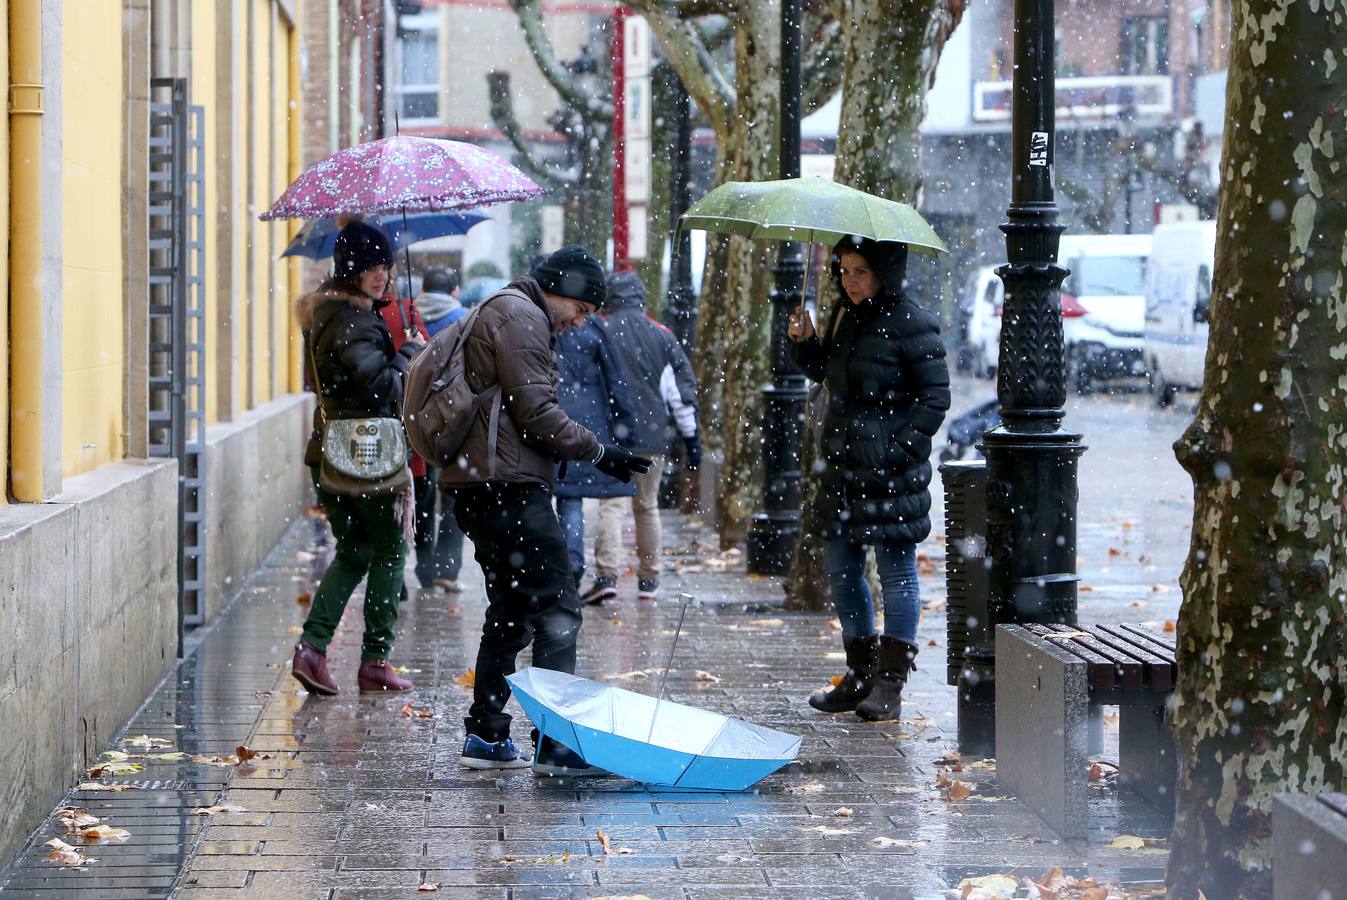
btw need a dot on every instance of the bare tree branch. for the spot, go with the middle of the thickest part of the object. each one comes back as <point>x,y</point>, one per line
<point>502,114</point>
<point>692,9</point>
<point>531,20</point>
<point>697,69</point>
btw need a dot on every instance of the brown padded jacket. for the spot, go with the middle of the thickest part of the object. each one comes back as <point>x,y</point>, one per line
<point>511,345</point>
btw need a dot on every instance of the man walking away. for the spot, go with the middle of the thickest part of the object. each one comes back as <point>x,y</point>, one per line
<point>439,304</point>
<point>503,480</point>
<point>662,388</point>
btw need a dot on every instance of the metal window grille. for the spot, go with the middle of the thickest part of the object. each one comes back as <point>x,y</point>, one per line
<point>177,325</point>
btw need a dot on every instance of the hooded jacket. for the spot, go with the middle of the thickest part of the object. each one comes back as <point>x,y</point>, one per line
<point>884,365</point>
<point>359,373</point>
<point>593,393</point>
<point>511,345</point>
<point>658,375</point>
<point>439,311</point>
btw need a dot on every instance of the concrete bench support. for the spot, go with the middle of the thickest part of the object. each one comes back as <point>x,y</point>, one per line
<point>1309,843</point>
<point>1042,703</point>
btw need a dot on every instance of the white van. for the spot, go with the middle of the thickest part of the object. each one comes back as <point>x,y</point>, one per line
<point>1178,301</point>
<point>984,295</point>
<point>1103,306</point>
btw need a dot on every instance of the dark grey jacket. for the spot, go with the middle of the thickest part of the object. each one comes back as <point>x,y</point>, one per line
<point>658,375</point>
<point>511,345</point>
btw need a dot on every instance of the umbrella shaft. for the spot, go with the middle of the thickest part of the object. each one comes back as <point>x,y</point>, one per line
<point>664,677</point>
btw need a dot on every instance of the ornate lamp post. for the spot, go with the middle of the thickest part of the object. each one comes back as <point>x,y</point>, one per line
<point>681,307</point>
<point>775,530</point>
<point>1031,460</point>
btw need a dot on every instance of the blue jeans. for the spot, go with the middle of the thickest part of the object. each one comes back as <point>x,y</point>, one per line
<point>844,563</point>
<point>571,512</point>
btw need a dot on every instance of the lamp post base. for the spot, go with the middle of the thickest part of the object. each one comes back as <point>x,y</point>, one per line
<point>771,543</point>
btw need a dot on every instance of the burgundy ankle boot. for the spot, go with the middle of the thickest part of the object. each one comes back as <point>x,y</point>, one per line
<point>376,675</point>
<point>310,669</point>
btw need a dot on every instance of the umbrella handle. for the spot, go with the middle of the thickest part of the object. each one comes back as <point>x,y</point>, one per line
<point>683,600</point>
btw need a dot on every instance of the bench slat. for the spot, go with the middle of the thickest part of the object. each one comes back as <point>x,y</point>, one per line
<point>1157,671</point>
<point>1163,640</point>
<point>1102,671</point>
<point>1144,639</point>
<point>1335,802</point>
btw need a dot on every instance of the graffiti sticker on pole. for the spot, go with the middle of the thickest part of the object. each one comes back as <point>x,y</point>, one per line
<point>1038,148</point>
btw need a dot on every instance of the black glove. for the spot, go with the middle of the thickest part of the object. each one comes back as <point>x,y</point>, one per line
<point>620,464</point>
<point>694,451</point>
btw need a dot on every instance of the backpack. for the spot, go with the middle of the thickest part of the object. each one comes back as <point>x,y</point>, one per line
<point>438,405</point>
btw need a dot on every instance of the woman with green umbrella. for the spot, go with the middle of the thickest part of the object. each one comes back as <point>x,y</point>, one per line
<point>883,362</point>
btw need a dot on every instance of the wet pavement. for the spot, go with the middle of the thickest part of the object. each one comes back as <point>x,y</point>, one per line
<point>357,797</point>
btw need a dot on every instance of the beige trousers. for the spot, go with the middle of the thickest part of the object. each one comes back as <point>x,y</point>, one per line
<point>608,534</point>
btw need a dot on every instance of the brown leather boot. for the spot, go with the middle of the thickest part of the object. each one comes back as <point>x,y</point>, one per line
<point>310,669</point>
<point>896,661</point>
<point>857,683</point>
<point>376,676</point>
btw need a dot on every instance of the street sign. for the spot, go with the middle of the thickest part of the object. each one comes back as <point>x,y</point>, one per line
<point>636,47</point>
<point>553,229</point>
<point>636,171</point>
<point>638,232</point>
<point>631,164</point>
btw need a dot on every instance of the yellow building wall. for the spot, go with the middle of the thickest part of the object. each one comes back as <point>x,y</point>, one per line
<point>4,267</point>
<point>278,327</point>
<point>206,91</point>
<point>259,233</point>
<point>92,313</point>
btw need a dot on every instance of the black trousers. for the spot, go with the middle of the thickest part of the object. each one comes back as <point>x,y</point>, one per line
<point>439,544</point>
<point>531,595</point>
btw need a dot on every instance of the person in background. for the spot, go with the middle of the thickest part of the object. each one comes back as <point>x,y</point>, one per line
<point>888,387</point>
<point>439,550</point>
<point>404,323</point>
<point>439,304</point>
<point>664,397</point>
<point>594,394</point>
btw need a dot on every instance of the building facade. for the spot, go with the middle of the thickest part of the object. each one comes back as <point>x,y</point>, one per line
<point>153,416</point>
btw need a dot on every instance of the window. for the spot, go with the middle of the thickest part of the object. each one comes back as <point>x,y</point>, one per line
<point>1145,45</point>
<point>1116,276</point>
<point>418,87</point>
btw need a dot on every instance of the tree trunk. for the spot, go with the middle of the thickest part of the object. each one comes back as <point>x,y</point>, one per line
<point>1262,644</point>
<point>891,48</point>
<point>745,316</point>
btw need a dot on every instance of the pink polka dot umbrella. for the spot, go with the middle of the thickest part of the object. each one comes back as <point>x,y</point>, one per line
<point>403,174</point>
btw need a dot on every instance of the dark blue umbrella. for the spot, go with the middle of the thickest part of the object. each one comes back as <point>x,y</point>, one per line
<point>318,237</point>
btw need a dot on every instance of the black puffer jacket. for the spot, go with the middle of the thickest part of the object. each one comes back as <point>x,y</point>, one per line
<point>359,372</point>
<point>884,365</point>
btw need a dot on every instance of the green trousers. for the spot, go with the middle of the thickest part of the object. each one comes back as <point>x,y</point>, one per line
<point>369,542</point>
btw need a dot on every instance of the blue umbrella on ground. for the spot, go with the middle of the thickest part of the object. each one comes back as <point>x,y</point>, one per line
<point>318,237</point>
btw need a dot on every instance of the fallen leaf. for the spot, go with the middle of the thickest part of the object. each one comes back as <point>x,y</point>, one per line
<point>115,768</point>
<point>707,677</point>
<point>959,791</point>
<point>1096,772</point>
<point>428,887</point>
<point>565,857</point>
<point>221,809</point>
<point>66,855</point>
<point>1114,551</point>
<point>114,755</point>
<point>835,624</point>
<point>1085,589</point>
<point>1127,842</point>
<point>836,680</point>
<point>106,833</point>
<point>951,758</point>
<point>1067,635</point>
<point>100,786</point>
<point>1053,880</point>
<point>826,831</point>
<point>305,597</point>
<point>244,754</point>
<point>933,643</point>
<point>1169,626</point>
<point>1139,604</point>
<point>147,742</point>
<point>812,787</point>
<point>988,765</point>
<point>467,680</point>
<point>175,756</point>
<point>217,761</point>
<point>75,819</point>
<point>988,887</point>
<point>411,713</point>
<point>882,841</point>
<point>604,842</point>
<point>375,806</point>
<point>403,670</point>
<point>294,629</point>
<point>453,609</point>
<point>843,812</point>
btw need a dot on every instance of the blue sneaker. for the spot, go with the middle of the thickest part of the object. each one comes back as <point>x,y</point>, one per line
<point>555,758</point>
<point>480,754</point>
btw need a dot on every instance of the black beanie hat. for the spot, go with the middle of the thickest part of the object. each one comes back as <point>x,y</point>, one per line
<point>572,272</point>
<point>359,248</point>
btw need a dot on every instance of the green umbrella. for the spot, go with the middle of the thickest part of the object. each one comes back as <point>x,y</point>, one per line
<point>812,210</point>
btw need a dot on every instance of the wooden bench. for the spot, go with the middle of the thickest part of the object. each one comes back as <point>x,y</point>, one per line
<point>1051,682</point>
<point>1309,842</point>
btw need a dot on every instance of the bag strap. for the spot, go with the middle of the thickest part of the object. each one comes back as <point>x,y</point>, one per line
<point>493,432</point>
<point>313,362</point>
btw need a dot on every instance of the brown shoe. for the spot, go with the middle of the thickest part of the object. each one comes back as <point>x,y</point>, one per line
<point>376,676</point>
<point>310,669</point>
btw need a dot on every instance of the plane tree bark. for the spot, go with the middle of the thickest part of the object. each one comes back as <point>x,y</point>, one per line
<point>1262,645</point>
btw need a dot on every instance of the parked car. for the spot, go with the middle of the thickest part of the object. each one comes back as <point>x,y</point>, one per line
<point>1178,301</point>
<point>983,295</point>
<point>1103,306</point>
